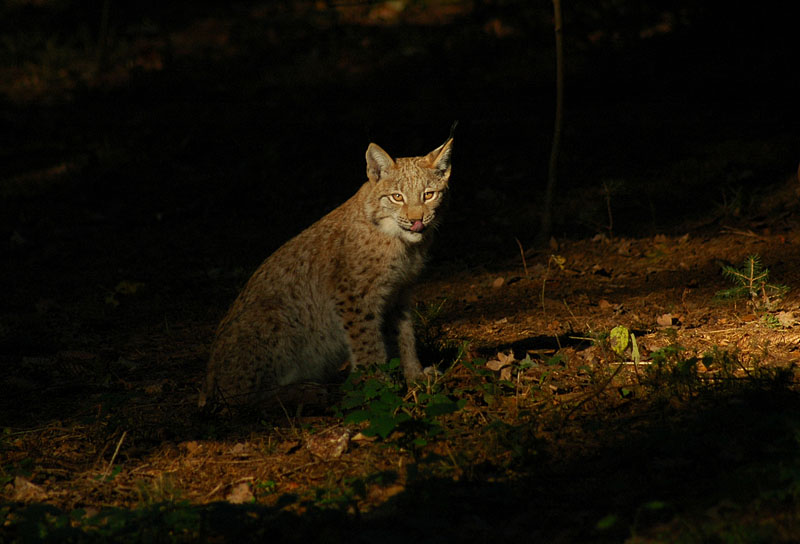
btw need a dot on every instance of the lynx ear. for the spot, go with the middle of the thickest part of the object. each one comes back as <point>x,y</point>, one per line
<point>439,158</point>
<point>378,162</point>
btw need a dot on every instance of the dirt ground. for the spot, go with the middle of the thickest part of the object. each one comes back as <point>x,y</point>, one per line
<point>136,199</point>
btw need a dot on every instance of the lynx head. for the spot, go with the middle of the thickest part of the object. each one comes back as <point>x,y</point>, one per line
<point>407,192</point>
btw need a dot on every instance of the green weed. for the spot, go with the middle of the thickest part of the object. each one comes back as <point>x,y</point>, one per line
<point>379,397</point>
<point>751,281</point>
<point>164,522</point>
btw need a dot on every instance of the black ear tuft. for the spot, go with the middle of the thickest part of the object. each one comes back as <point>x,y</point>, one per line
<point>439,158</point>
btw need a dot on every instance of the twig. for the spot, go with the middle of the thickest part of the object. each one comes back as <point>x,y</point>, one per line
<point>522,253</point>
<point>288,417</point>
<point>591,395</point>
<point>607,191</point>
<point>114,457</point>
<point>748,232</point>
<point>210,493</point>
<point>295,469</point>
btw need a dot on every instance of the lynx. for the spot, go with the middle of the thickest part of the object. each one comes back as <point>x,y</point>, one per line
<point>336,296</point>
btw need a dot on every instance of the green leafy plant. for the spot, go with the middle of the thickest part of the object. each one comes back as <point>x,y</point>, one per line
<point>267,487</point>
<point>673,373</point>
<point>378,395</point>
<point>752,281</point>
<point>163,522</point>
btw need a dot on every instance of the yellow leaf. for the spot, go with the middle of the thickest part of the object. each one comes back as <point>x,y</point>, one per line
<point>618,339</point>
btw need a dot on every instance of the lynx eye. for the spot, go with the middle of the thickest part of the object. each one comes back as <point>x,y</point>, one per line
<point>396,197</point>
<point>428,195</point>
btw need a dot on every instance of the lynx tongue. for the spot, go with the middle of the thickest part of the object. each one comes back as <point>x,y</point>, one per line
<point>417,226</point>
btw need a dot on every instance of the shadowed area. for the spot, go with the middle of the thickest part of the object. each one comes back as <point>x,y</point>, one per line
<point>152,156</point>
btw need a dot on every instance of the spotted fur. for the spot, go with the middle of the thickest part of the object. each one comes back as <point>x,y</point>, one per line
<point>338,294</point>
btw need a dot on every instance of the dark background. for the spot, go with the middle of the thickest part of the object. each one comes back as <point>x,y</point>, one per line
<point>153,154</point>
<point>168,149</point>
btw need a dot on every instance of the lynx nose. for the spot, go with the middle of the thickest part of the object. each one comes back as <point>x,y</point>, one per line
<point>415,213</point>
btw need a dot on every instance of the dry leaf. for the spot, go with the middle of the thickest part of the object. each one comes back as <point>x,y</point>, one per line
<point>664,320</point>
<point>239,450</point>
<point>288,446</point>
<point>786,319</point>
<point>503,364</point>
<point>190,447</point>
<point>505,358</point>
<point>383,493</point>
<point>26,491</point>
<point>495,365</point>
<point>329,444</point>
<point>240,494</point>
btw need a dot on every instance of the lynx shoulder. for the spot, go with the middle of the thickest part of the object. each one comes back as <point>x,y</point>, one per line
<point>337,295</point>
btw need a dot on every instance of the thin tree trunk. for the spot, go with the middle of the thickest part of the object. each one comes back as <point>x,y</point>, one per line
<point>547,212</point>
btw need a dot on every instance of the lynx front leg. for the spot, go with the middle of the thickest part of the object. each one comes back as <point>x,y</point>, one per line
<point>364,337</point>
<point>406,344</point>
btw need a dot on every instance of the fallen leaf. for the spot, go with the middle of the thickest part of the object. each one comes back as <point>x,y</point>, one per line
<point>191,446</point>
<point>240,494</point>
<point>329,444</point>
<point>239,450</point>
<point>26,491</point>
<point>495,365</point>
<point>288,446</point>
<point>393,490</point>
<point>505,358</point>
<point>618,339</point>
<point>786,319</point>
<point>664,320</point>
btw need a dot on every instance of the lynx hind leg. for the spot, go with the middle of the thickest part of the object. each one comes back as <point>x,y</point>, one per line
<point>238,370</point>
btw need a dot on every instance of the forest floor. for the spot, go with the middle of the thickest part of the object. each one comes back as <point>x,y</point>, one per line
<point>594,388</point>
<point>557,435</point>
